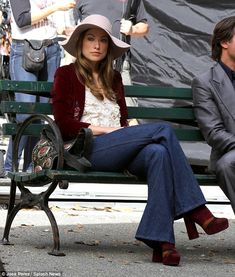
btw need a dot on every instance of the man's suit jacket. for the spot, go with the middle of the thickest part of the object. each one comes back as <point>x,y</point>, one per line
<point>214,104</point>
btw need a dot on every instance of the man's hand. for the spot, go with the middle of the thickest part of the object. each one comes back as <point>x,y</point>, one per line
<point>65,5</point>
<point>126,27</point>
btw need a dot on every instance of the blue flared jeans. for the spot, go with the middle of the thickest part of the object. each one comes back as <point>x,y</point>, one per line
<point>152,151</point>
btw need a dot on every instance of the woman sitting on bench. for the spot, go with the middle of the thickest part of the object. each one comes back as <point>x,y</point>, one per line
<point>89,93</point>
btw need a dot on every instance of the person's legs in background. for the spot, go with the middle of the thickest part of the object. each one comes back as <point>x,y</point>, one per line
<point>53,55</point>
<point>2,170</point>
<point>19,74</point>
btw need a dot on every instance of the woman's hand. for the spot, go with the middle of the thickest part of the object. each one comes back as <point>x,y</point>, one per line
<point>97,130</point>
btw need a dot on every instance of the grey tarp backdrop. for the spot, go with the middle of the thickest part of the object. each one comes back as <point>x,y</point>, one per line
<point>178,44</point>
<point>176,49</point>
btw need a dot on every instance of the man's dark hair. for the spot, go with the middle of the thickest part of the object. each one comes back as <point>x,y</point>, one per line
<point>223,31</point>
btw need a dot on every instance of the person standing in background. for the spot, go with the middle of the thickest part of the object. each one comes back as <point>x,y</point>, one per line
<point>134,26</point>
<point>5,40</point>
<point>33,20</point>
<point>1,17</point>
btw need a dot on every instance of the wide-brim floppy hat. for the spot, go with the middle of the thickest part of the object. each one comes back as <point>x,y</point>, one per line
<point>118,47</point>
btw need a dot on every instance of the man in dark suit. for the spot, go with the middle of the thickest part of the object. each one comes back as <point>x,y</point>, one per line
<point>214,101</point>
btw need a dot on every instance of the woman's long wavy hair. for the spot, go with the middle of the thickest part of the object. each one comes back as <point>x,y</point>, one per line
<point>224,31</point>
<point>105,72</point>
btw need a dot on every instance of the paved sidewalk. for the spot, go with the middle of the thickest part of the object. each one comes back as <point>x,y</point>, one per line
<point>99,241</point>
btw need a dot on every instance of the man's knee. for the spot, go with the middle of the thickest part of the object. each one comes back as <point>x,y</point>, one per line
<point>226,163</point>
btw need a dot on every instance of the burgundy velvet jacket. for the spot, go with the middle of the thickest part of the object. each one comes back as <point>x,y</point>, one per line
<point>68,100</point>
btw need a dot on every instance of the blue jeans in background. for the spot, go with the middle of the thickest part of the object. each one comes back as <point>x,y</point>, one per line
<point>153,152</point>
<point>17,73</point>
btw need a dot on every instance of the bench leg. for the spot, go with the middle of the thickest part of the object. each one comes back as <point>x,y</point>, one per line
<point>10,217</point>
<point>30,200</point>
<point>12,211</point>
<point>55,230</point>
<point>12,196</point>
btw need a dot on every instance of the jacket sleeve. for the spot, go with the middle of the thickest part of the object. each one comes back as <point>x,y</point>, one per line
<point>67,110</point>
<point>209,118</point>
<point>21,11</point>
<point>141,13</point>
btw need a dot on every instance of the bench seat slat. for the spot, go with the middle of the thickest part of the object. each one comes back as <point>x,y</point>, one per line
<point>94,177</point>
<point>189,134</point>
<point>76,176</point>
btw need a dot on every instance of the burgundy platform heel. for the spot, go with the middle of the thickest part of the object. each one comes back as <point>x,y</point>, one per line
<point>203,217</point>
<point>167,254</point>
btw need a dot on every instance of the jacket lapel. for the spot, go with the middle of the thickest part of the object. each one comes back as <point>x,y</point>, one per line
<point>223,88</point>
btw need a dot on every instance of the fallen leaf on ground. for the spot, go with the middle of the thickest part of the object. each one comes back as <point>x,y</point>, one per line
<point>26,225</point>
<point>46,230</point>
<point>129,210</point>
<point>229,261</point>
<point>92,243</point>
<point>125,262</point>
<point>136,243</point>
<point>138,262</point>
<point>40,247</point>
<point>107,209</point>
<point>55,208</point>
<point>71,214</point>
<point>79,208</point>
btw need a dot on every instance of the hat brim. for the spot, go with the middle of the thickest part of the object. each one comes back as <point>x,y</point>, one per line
<point>118,47</point>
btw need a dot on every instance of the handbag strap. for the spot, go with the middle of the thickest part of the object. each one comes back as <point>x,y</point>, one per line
<point>80,164</point>
<point>87,141</point>
<point>78,159</point>
<point>38,44</point>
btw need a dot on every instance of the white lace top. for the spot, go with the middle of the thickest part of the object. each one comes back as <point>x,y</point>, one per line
<point>100,112</point>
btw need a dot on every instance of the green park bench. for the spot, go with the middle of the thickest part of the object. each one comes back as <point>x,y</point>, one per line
<point>186,130</point>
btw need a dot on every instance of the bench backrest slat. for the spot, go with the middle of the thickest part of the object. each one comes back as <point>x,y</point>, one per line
<point>161,113</point>
<point>158,92</point>
<point>44,88</point>
<point>10,129</point>
<point>35,88</point>
<point>35,129</point>
<point>25,107</point>
<point>133,112</point>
